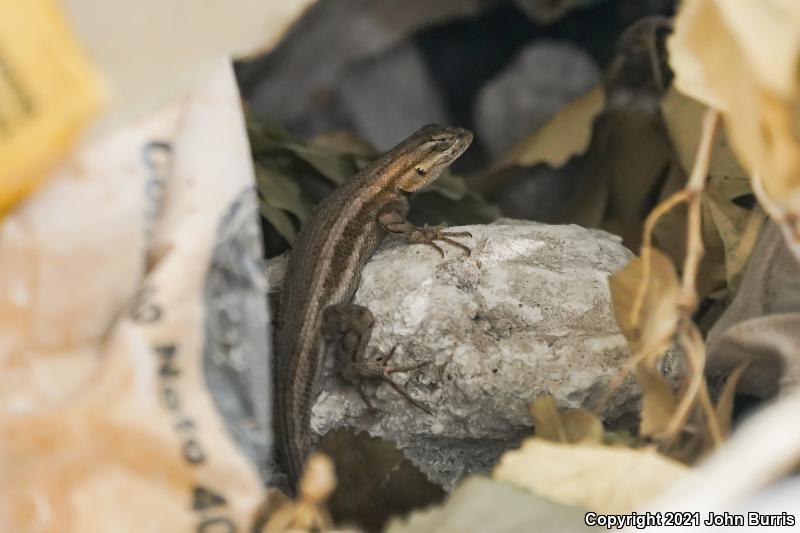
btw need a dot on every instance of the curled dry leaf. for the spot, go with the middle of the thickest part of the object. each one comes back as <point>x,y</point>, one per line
<point>737,227</point>
<point>741,59</point>
<point>570,426</point>
<point>658,402</point>
<point>683,117</point>
<point>566,135</point>
<point>649,333</point>
<point>599,478</point>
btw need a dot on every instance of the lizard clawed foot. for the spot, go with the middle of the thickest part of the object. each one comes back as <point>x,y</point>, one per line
<point>427,235</point>
<point>377,368</point>
<point>346,330</point>
<point>405,395</point>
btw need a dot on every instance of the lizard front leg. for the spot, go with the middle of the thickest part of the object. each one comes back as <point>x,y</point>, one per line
<point>392,218</point>
<point>346,330</point>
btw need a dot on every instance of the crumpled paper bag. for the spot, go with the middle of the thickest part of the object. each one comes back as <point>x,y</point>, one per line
<point>128,282</point>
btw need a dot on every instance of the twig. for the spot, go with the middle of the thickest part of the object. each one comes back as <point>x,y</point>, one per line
<point>646,249</point>
<point>686,331</point>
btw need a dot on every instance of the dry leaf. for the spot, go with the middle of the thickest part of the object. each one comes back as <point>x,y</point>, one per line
<point>658,402</point>
<point>651,332</point>
<point>683,117</point>
<point>652,335</point>
<point>763,450</point>
<point>729,231</point>
<point>741,58</point>
<point>737,228</point>
<point>490,506</point>
<point>566,135</point>
<point>571,426</point>
<point>601,479</point>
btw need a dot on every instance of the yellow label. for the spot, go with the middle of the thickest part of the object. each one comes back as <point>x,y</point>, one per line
<point>49,91</point>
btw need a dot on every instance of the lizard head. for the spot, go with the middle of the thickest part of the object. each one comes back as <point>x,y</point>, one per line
<point>427,153</point>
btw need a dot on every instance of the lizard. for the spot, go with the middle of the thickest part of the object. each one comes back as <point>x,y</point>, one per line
<point>325,265</point>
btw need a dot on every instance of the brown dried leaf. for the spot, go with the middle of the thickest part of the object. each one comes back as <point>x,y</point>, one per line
<point>658,402</point>
<point>546,419</point>
<point>600,478</point>
<point>582,426</point>
<point>741,58</point>
<point>651,332</point>
<point>566,135</point>
<point>729,231</point>
<point>683,117</point>
<point>737,227</point>
<point>570,426</point>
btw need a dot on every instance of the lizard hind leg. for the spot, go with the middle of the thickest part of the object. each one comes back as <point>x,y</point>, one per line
<point>346,329</point>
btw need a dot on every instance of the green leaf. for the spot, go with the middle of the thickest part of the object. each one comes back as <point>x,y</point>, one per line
<point>280,220</point>
<point>335,167</point>
<point>282,192</point>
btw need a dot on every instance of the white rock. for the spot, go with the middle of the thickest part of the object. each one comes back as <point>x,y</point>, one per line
<point>527,313</point>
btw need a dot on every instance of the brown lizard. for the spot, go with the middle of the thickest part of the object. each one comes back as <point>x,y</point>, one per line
<point>325,265</point>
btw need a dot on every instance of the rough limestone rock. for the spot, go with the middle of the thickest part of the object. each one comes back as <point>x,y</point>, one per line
<point>527,313</point>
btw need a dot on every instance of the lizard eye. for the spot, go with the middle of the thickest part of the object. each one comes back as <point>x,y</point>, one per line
<point>421,171</point>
